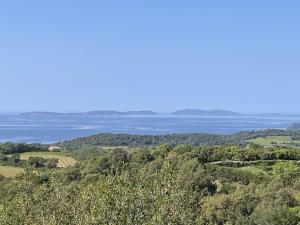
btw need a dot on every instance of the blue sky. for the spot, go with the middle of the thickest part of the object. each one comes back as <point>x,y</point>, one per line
<point>161,55</point>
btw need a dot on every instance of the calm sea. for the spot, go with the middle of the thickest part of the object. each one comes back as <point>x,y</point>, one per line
<point>47,129</point>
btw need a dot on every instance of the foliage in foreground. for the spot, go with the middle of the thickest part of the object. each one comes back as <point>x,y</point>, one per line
<point>162,185</point>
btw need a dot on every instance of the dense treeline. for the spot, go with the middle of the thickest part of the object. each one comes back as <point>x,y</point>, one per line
<point>194,139</point>
<point>13,148</point>
<point>33,162</point>
<point>13,160</point>
<point>160,185</point>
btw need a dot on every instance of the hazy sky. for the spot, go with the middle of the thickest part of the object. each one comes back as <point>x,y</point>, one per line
<point>161,55</point>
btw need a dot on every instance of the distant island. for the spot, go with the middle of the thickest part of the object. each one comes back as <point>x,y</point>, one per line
<point>199,112</point>
<point>184,112</point>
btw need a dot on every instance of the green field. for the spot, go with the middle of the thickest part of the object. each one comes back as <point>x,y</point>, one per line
<point>255,170</point>
<point>272,168</point>
<point>10,171</point>
<point>63,160</point>
<point>270,141</point>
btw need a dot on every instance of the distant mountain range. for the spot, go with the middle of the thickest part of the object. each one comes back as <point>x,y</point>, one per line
<point>184,112</point>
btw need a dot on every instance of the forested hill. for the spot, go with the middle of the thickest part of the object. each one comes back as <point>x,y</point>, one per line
<point>195,139</point>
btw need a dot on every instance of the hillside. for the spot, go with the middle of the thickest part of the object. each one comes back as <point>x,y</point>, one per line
<point>179,185</point>
<point>194,139</point>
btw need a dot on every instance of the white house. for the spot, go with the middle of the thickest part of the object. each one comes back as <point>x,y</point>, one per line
<point>54,148</point>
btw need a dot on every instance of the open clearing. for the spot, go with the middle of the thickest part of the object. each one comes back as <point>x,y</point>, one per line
<point>270,141</point>
<point>270,167</point>
<point>63,160</point>
<point>10,171</point>
<point>255,170</point>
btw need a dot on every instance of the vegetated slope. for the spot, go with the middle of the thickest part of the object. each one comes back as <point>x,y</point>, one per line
<point>11,153</point>
<point>161,185</point>
<point>195,139</point>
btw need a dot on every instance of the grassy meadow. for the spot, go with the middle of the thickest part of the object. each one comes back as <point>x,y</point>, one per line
<point>63,159</point>
<point>270,141</point>
<point>10,171</point>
